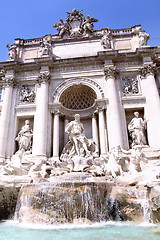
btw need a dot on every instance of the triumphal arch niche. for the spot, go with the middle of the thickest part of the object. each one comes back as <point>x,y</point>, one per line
<point>103,82</point>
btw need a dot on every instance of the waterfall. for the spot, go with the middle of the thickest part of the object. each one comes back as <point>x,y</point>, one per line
<point>66,203</point>
<point>72,202</point>
<point>142,199</point>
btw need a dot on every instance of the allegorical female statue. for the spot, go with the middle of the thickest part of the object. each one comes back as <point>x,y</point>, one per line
<point>136,129</point>
<point>24,137</point>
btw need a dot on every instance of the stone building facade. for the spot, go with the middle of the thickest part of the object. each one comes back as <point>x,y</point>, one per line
<point>103,75</point>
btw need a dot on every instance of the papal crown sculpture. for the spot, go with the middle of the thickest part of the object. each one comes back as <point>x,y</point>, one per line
<point>79,98</point>
<point>76,25</point>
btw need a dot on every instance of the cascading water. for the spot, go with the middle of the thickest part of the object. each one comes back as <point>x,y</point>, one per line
<point>66,203</point>
<point>143,200</point>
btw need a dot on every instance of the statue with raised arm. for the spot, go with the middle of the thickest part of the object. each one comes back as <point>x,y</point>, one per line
<point>24,137</point>
<point>136,129</point>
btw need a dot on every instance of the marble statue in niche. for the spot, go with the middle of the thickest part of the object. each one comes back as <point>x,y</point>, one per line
<point>77,137</point>
<point>79,149</point>
<point>136,129</point>
<point>24,137</point>
<point>27,95</point>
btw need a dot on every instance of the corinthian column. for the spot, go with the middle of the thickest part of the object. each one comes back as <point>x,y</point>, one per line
<point>56,135</point>
<point>5,114</point>
<point>115,136</point>
<point>102,135</point>
<point>152,108</point>
<point>41,116</point>
<point>95,129</point>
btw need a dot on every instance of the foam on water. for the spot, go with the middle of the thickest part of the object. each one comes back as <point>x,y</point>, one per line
<point>76,226</point>
<point>12,230</point>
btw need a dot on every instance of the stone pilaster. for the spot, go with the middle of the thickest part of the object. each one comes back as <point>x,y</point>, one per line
<point>9,83</point>
<point>152,108</point>
<point>115,135</point>
<point>41,116</point>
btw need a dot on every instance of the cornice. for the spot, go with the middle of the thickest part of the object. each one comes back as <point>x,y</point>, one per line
<point>101,56</point>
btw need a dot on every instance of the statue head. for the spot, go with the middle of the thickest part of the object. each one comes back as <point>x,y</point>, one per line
<point>77,117</point>
<point>136,114</point>
<point>27,122</point>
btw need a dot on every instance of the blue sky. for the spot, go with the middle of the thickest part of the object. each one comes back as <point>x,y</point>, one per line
<point>35,18</point>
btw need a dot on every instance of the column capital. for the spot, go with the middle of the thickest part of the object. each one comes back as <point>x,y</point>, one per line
<point>9,81</point>
<point>147,69</point>
<point>94,115</point>
<point>110,71</point>
<point>44,77</point>
<point>101,109</point>
<point>56,111</point>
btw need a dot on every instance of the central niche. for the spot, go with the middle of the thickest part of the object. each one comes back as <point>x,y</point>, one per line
<point>78,97</point>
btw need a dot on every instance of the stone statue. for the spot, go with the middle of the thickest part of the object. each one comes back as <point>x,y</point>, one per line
<point>62,28</point>
<point>24,137</point>
<point>45,47</point>
<point>135,86</point>
<point>88,25</point>
<point>77,137</point>
<point>136,129</point>
<point>76,25</point>
<point>75,15</point>
<point>143,38</point>
<point>27,95</point>
<point>113,166</point>
<point>79,152</point>
<point>12,51</point>
<point>136,158</point>
<point>106,39</point>
<point>130,86</point>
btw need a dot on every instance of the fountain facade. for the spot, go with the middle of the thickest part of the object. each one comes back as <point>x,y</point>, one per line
<point>81,126</point>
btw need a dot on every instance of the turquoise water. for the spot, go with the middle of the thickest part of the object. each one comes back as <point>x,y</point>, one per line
<point>102,231</point>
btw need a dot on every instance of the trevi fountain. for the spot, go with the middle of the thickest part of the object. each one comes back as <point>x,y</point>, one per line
<point>80,135</point>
